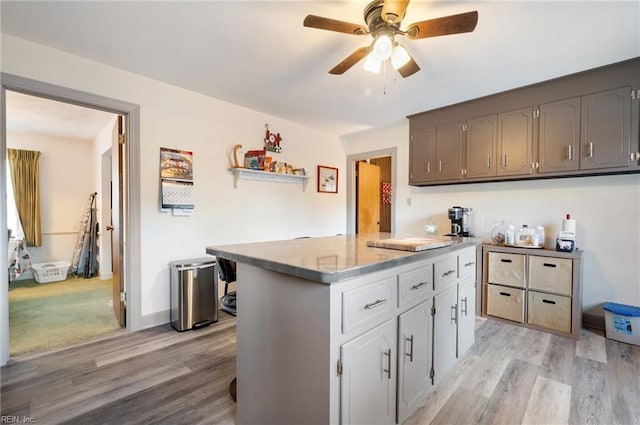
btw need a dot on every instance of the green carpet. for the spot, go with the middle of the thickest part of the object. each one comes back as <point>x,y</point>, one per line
<point>46,315</point>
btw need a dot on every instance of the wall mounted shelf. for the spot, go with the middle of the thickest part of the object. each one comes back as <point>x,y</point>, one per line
<point>249,174</point>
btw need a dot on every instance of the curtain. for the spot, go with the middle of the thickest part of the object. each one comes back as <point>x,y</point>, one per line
<point>25,177</point>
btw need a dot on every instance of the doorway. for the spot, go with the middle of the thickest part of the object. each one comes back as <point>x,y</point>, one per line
<point>129,208</point>
<point>370,189</point>
<point>55,306</point>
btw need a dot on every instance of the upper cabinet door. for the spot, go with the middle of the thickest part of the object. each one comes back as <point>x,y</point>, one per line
<point>606,129</point>
<point>481,146</point>
<point>559,136</point>
<point>422,150</point>
<point>515,142</point>
<point>449,143</point>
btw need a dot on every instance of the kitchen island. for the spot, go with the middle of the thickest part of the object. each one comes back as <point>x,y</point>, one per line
<point>320,332</point>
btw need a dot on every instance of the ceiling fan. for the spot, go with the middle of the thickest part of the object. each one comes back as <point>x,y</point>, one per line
<point>383,19</point>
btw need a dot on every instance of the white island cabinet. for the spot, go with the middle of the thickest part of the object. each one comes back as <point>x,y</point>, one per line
<point>331,331</point>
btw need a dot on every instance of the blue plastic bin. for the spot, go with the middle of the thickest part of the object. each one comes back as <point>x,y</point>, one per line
<point>622,322</point>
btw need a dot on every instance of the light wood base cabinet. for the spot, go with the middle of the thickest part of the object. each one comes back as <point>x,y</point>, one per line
<point>534,287</point>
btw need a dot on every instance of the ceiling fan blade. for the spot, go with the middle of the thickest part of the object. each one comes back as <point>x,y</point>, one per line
<point>393,10</point>
<point>408,68</point>
<point>350,60</point>
<point>454,24</point>
<point>313,21</point>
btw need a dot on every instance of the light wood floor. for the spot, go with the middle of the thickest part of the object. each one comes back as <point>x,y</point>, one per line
<point>512,375</point>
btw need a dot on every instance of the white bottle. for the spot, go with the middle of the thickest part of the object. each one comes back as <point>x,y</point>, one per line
<point>511,234</point>
<point>525,235</point>
<point>539,235</point>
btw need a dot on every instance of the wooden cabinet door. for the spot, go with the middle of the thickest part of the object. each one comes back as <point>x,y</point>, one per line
<point>449,144</point>
<point>559,136</point>
<point>466,315</point>
<point>606,129</point>
<point>481,147</point>
<point>414,357</point>
<point>445,332</point>
<point>422,151</point>
<point>515,142</point>
<point>368,382</point>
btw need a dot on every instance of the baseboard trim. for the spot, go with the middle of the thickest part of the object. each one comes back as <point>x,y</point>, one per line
<point>106,276</point>
<point>155,319</point>
<point>593,321</point>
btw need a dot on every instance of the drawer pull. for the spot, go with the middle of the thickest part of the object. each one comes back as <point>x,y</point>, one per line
<point>410,353</point>
<point>374,304</point>
<point>387,354</point>
<point>506,294</point>
<point>419,285</point>
<point>454,314</point>
<point>548,301</point>
<point>505,260</point>
<point>470,263</point>
<point>549,265</point>
<point>464,310</point>
<point>445,274</point>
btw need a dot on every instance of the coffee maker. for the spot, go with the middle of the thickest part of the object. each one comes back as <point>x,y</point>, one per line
<point>461,221</point>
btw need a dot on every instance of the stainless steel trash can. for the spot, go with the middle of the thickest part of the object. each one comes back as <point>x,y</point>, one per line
<point>194,293</point>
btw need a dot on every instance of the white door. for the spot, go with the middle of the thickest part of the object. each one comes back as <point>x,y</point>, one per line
<point>414,358</point>
<point>466,315</point>
<point>368,380</point>
<point>445,332</point>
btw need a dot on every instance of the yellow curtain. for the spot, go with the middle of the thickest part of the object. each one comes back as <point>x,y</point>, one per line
<point>25,177</point>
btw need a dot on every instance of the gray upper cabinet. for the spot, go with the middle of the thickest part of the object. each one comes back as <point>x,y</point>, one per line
<point>606,129</point>
<point>579,125</point>
<point>559,136</point>
<point>481,147</point>
<point>422,151</point>
<point>449,157</point>
<point>515,142</point>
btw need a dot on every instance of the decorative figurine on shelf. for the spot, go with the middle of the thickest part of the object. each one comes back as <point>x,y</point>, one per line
<point>272,141</point>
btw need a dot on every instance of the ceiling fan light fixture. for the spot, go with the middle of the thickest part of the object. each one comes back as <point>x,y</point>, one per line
<point>399,56</point>
<point>372,63</point>
<point>382,47</point>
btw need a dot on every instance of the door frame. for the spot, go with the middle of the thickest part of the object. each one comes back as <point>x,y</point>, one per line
<point>131,237</point>
<point>351,184</point>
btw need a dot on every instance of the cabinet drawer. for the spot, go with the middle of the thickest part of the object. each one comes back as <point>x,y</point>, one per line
<point>550,274</point>
<point>505,302</point>
<point>549,311</point>
<point>467,263</point>
<point>445,271</point>
<point>370,301</point>
<point>506,269</point>
<point>415,285</point>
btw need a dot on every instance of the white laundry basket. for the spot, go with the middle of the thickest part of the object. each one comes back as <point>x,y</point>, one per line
<point>53,271</point>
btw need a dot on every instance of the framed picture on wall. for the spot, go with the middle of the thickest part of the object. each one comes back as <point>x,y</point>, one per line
<point>327,179</point>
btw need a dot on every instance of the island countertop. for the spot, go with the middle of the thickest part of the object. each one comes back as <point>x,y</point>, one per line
<point>330,259</point>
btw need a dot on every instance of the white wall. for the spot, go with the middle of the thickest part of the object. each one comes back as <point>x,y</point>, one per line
<point>607,210</point>
<point>175,118</point>
<point>66,179</point>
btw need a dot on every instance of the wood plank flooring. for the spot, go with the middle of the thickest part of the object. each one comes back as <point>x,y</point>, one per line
<point>511,376</point>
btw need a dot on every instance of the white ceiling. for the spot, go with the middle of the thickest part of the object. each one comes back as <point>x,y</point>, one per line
<point>258,54</point>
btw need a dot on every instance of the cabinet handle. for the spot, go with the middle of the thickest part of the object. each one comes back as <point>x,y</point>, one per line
<point>419,285</point>
<point>447,273</point>
<point>376,303</point>
<point>570,152</point>
<point>388,369</point>
<point>506,260</point>
<point>439,166</point>
<point>506,294</point>
<point>590,154</point>
<point>410,353</point>
<point>504,160</point>
<point>429,167</point>
<point>464,310</point>
<point>489,161</point>
<point>454,313</point>
<point>470,263</point>
<point>549,265</point>
<point>548,301</point>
